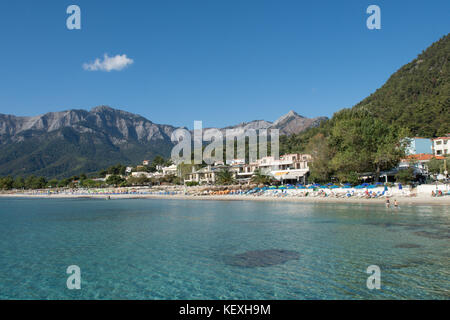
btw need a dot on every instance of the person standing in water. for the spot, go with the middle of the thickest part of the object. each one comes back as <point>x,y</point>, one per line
<point>395,204</point>
<point>388,203</point>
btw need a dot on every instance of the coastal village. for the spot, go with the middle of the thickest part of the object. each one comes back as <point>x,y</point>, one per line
<point>294,168</point>
<point>286,177</point>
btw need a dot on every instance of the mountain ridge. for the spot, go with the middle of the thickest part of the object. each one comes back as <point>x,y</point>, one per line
<point>64,143</point>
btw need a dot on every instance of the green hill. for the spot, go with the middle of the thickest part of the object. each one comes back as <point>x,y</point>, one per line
<point>415,101</point>
<point>417,96</point>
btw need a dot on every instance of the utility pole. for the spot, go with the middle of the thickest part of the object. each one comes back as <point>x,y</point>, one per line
<point>445,168</point>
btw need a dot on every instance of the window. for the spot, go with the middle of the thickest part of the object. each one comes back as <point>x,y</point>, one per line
<point>438,143</point>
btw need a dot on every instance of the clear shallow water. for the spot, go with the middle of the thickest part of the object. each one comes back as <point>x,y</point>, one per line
<point>174,249</point>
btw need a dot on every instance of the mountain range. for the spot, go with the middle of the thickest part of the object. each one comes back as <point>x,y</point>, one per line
<point>66,143</point>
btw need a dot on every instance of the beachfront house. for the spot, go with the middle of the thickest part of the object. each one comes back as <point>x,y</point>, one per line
<point>418,161</point>
<point>205,175</point>
<point>289,168</point>
<point>441,146</point>
<point>243,172</point>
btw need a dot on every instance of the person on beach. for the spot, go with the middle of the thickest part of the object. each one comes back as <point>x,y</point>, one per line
<point>395,204</point>
<point>388,203</point>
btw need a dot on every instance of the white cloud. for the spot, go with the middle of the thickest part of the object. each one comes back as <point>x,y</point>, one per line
<point>117,63</point>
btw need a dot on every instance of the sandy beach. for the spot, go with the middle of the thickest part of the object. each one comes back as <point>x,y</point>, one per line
<point>420,200</point>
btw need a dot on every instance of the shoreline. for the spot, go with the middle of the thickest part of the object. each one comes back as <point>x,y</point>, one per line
<point>440,201</point>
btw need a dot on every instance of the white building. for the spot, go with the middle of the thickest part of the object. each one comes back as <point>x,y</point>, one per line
<point>170,170</point>
<point>205,175</point>
<point>293,167</point>
<point>441,146</point>
<point>141,174</point>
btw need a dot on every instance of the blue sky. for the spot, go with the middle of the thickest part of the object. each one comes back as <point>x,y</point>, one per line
<point>220,61</point>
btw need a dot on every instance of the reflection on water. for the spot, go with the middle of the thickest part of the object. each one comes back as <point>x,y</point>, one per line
<point>174,249</point>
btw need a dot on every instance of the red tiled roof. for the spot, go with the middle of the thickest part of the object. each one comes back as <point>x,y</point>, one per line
<point>423,157</point>
<point>441,138</point>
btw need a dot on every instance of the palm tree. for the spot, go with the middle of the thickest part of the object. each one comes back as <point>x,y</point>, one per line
<point>225,176</point>
<point>260,178</point>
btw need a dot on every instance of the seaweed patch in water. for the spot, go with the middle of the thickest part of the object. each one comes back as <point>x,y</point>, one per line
<point>382,224</point>
<point>261,258</point>
<point>432,235</point>
<point>407,245</point>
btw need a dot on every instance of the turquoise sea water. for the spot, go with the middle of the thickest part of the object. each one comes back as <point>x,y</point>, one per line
<point>175,249</point>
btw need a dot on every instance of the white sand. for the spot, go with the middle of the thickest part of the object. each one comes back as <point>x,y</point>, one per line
<point>425,200</point>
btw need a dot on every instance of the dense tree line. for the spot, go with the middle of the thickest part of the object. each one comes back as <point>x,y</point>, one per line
<point>116,177</point>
